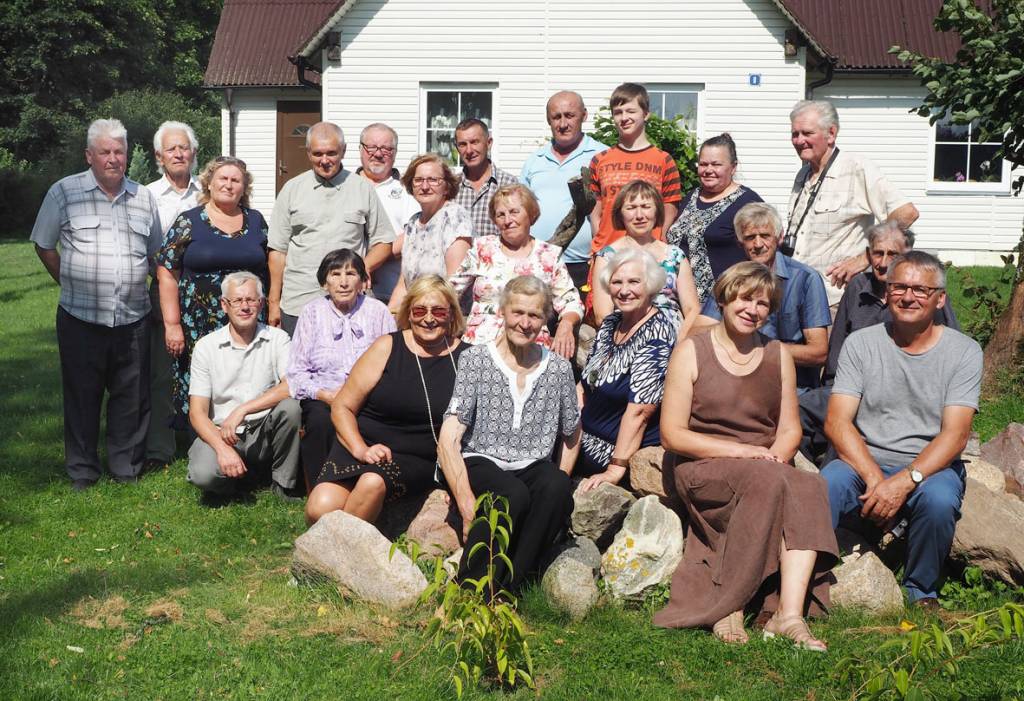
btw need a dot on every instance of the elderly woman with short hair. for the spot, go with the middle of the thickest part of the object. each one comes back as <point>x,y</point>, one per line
<point>624,378</point>
<point>513,409</point>
<point>330,336</point>
<point>494,260</point>
<point>389,411</point>
<point>434,241</point>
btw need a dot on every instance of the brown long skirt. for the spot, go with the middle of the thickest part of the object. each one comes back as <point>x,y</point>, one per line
<point>739,511</point>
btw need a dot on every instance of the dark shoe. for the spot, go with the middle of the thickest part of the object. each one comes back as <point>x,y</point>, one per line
<point>213,500</point>
<point>80,485</point>
<point>928,604</point>
<point>153,465</point>
<point>285,494</point>
<point>125,479</point>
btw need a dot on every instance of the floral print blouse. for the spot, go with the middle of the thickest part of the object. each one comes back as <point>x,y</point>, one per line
<point>425,245</point>
<point>488,269</point>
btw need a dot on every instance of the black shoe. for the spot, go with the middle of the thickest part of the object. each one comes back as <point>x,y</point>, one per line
<point>285,494</point>
<point>214,500</point>
<point>125,479</point>
<point>152,465</point>
<point>80,485</point>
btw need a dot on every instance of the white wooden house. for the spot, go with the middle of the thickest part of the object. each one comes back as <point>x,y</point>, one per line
<point>729,65</point>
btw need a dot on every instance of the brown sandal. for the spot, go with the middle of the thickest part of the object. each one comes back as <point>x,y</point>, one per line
<point>730,629</point>
<point>795,628</point>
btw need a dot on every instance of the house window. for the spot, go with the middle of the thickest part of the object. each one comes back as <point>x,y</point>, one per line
<point>447,106</point>
<point>962,162</point>
<point>671,101</point>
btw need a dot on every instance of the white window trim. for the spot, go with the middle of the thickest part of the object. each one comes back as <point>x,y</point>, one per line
<point>935,187</point>
<point>429,86</point>
<point>698,88</point>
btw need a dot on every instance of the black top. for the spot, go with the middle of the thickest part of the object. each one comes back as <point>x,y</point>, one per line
<point>720,236</point>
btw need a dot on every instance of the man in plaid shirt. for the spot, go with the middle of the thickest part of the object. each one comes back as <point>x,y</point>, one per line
<point>108,228</point>
<point>480,177</point>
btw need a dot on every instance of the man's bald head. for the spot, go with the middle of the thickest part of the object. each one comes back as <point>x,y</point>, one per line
<point>566,114</point>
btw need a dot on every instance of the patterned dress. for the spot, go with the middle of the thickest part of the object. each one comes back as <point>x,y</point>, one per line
<point>616,375</point>
<point>488,269</point>
<point>204,255</point>
<point>426,244</point>
<point>668,299</point>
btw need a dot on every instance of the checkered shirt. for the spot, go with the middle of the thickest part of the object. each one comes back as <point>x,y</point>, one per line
<point>477,201</point>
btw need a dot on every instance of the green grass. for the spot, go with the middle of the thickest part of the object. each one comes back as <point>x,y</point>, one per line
<point>139,592</point>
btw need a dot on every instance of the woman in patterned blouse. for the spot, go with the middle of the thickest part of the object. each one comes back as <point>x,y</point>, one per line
<point>638,209</point>
<point>434,241</point>
<point>330,335</point>
<point>494,260</point>
<point>624,378</point>
<point>513,408</point>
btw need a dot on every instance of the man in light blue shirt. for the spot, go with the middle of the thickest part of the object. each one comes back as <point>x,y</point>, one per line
<point>547,173</point>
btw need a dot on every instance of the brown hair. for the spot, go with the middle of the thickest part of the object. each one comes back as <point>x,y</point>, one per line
<point>206,177</point>
<point>451,182</point>
<point>745,278</point>
<point>529,200</point>
<point>631,91</point>
<point>638,189</point>
<point>424,286</point>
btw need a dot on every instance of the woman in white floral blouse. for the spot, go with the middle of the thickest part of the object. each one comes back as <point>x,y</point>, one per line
<point>494,260</point>
<point>434,241</point>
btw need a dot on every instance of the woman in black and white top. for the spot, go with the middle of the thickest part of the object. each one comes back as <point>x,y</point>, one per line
<point>514,406</point>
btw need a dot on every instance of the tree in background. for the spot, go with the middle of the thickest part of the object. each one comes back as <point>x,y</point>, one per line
<point>985,85</point>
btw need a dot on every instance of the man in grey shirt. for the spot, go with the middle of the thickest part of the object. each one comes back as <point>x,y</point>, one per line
<point>899,417</point>
<point>315,213</point>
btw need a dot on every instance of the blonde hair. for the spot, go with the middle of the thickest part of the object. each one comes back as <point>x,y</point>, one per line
<point>424,286</point>
<point>529,200</point>
<point>747,278</point>
<point>206,177</point>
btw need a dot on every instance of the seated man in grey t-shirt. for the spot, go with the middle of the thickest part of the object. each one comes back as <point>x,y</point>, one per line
<point>899,416</point>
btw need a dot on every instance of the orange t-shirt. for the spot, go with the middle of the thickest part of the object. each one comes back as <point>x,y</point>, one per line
<point>615,168</point>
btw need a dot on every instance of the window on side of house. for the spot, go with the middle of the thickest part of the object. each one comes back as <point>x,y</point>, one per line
<point>962,162</point>
<point>445,106</point>
<point>670,101</point>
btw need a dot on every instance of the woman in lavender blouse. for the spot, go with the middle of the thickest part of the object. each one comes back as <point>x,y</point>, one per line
<point>331,334</point>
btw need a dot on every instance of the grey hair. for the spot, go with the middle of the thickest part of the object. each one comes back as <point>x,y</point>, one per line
<point>238,278</point>
<point>654,274</point>
<point>330,127</point>
<point>158,140</point>
<point>756,214</point>
<point>111,128</point>
<point>379,125</point>
<point>922,261</point>
<point>530,286</point>
<point>827,115</point>
<point>887,229</point>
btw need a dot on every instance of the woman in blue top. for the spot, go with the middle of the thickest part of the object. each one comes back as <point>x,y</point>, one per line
<point>220,236</point>
<point>624,378</point>
<point>638,209</point>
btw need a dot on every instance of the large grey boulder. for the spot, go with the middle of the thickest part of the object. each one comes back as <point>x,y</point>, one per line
<point>990,533</point>
<point>597,514</point>
<point>569,582</point>
<point>645,552</point>
<point>863,581</point>
<point>353,554</point>
<point>1006,451</point>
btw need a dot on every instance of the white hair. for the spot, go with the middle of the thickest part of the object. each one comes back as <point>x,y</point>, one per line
<point>158,140</point>
<point>827,115</point>
<point>111,128</point>
<point>381,126</point>
<point>654,274</point>
<point>237,279</point>
<point>329,127</point>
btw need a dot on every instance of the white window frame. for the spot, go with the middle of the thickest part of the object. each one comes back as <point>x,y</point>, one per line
<point>690,88</point>
<point>965,188</point>
<point>427,87</point>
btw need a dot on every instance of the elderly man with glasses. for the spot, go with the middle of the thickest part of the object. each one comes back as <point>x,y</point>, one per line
<point>317,212</point>
<point>900,414</point>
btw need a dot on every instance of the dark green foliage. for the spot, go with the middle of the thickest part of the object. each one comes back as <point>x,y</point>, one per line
<point>986,300</point>
<point>670,135</point>
<point>977,592</point>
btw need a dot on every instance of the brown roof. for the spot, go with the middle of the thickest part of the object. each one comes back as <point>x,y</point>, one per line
<point>857,34</point>
<point>255,38</point>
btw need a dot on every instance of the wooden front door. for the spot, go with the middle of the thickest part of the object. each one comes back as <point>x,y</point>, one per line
<point>294,118</point>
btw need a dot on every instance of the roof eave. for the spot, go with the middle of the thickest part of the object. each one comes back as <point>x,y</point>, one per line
<point>804,31</point>
<point>312,43</point>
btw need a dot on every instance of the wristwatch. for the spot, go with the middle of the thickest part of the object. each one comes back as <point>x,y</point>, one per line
<point>915,475</point>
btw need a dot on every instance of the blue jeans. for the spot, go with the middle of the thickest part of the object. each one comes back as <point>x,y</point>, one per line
<point>931,511</point>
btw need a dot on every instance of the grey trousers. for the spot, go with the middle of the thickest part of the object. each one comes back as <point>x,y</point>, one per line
<point>270,445</point>
<point>159,436</point>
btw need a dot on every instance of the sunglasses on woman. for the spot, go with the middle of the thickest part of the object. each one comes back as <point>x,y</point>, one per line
<point>439,313</point>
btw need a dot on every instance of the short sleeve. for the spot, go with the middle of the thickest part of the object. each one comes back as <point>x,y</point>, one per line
<point>279,233</point>
<point>464,395</point>
<point>378,224</point>
<point>460,226</point>
<point>46,231</point>
<point>850,371</point>
<point>965,385</point>
<point>566,298</point>
<point>882,196</point>
<point>176,240</point>
<point>815,312</point>
<point>671,188</point>
<point>647,372</point>
<point>569,409</point>
<point>595,181</point>
<point>199,384</point>
<point>468,268</point>
<point>282,346</point>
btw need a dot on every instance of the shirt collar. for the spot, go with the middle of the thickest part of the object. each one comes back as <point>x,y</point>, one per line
<point>585,145</point>
<point>165,186</point>
<point>493,178</point>
<point>783,266</point>
<point>224,335</point>
<point>127,186</point>
<point>345,321</point>
<point>338,178</point>
<point>394,176</point>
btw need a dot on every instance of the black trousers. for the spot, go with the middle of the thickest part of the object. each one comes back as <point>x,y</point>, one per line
<point>95,359</point>
<point>539,502</point>
<point>317,439</point>
<point>288,323</point>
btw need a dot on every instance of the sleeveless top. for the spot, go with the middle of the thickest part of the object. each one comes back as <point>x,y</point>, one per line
<point>744,409</point>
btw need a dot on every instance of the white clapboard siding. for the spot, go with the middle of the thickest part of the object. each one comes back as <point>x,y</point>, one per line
<point>875,121</point>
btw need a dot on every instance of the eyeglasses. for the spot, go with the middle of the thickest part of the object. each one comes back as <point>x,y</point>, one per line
<point>433,182</point>
<point>230,160</point>
<point>439,313</point>
<point>383,150</point>
<point>919,291</point>
<point>242,302</point>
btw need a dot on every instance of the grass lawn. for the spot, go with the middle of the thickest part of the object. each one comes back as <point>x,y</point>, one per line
<point>138,592</point>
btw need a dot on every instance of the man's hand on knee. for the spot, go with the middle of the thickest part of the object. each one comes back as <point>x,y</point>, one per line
<point>230,463</point>
<point>883,501</point>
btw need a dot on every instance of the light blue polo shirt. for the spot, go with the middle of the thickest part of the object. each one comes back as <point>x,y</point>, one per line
<point>548,179</point>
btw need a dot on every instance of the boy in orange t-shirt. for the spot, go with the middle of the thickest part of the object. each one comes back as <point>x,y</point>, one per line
<point>633,158</point>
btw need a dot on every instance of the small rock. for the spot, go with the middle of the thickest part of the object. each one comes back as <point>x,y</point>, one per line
<point>863,581</point>
<point>597,514</point>
<point>1006,451</point>
<point>569,582</point>
<point>987,474</point>
<point>973,448</point>
<point>645,552</point>
<point>584,343</point>
<point>990,533</point>
<point>353,554</point>
<point>851,543</point>
<point>651,472</point>
<point>804,465</point>
<point>451,563</point>
<point>432,526</point>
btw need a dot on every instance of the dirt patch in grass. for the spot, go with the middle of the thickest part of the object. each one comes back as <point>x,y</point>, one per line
<point>167,609</point>
<point>105,613</point>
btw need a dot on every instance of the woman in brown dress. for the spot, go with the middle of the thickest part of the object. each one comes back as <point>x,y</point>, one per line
<point>759,528</point>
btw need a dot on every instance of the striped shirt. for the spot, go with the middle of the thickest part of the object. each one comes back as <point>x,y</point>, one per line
<point>478,201</point>
<point>106,247</point>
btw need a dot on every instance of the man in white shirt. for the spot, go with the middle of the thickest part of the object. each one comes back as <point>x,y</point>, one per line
<point>174,148</point>
<point>378,147</point>
<point>239,404</point>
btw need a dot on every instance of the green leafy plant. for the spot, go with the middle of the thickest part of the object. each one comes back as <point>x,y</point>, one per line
<point>670,135</point>
<point>987,301</point>
<point>976,591</point>
<point>906,666</point>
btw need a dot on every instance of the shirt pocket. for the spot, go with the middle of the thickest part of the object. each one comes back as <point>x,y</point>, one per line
<point>85,228</point>
<point>138,237</point>
<point>826,213</point>
<point>352,225</point>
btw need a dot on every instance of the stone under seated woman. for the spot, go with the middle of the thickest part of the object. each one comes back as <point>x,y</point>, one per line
<point>757,526</point>
<point>512,429</point>
<point>389,411</point>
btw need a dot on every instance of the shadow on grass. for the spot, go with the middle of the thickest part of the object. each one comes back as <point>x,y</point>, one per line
<point>17,295</point>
